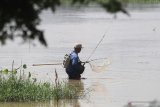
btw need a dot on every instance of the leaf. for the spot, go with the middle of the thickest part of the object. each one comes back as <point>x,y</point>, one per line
<point>5,71</point>
<point>14,71</point>
<point>24,66</point>
<point>34,79</point>
<point>29,75</point>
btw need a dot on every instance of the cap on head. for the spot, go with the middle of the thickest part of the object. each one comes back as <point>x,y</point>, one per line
<point>78,46</point>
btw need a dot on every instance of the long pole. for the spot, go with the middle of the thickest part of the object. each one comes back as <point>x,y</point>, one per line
<point>96,46</point>
<point>62,63</point>
<point>46,64</point>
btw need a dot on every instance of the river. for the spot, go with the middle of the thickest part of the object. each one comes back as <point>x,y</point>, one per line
<point>131,45</point>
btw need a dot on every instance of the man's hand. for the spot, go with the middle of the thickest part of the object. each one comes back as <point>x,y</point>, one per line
<point>87,62</point>
<point>83,63</point>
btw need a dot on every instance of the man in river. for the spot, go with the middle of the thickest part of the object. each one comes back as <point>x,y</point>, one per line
<point>75,67</point>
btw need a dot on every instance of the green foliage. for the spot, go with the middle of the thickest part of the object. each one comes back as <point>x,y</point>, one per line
<point>5,71</point>
<point>24,66</point>
<point>20,18</point>
<point>114,6</point>
<point>14,71</point>
<point>18,88</point>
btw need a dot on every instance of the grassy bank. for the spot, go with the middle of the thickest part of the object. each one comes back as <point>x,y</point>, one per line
<point>17,87</point>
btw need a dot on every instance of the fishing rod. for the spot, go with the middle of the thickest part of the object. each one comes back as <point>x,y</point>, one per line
<point>88,61</point>
<point>102,38</point>
<point>96,46</point>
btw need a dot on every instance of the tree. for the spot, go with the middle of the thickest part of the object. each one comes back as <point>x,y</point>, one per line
<point>20,18</point>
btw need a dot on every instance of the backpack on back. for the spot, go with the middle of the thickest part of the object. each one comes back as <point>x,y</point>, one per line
<point>66,61</point>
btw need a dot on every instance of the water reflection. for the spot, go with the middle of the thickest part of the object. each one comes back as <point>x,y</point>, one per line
<point>80,94</point>
<point>100,96</point>
<point>25,104</point>
<point>70,102</point>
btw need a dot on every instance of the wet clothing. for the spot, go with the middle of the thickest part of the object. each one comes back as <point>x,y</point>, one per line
<point>75,69</point>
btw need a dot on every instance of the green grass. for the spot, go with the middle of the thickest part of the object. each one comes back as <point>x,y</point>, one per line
<point>16,88</point>
<point>26,90</point>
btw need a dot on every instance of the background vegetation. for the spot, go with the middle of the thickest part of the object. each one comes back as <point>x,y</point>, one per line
<point>20,18</point>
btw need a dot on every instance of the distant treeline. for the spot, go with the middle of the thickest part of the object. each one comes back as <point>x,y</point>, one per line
<point>141,1</point>
<point>136,1</point>
<point>123,1</point>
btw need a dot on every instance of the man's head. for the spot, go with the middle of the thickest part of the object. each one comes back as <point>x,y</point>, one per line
<point>78,48</point>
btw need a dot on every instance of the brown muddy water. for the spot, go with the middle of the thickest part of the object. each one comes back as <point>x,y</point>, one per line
<point>132,45</point>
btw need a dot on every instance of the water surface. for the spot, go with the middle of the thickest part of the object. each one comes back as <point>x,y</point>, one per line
<point>131,45</point>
